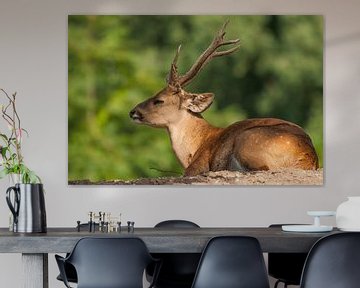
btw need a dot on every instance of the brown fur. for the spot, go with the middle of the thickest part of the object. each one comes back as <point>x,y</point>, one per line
<point>253,144</point>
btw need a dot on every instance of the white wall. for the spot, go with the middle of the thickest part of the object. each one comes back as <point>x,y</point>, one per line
<point>33,62</point>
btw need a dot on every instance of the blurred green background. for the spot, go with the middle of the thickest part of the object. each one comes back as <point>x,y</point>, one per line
<point>115,62</point>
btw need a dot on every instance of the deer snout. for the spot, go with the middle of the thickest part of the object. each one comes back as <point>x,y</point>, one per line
<point>135,115</point>
<point>132,113</point>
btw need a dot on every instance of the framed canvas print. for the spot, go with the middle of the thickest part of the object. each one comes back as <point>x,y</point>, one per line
<point>214,100</point>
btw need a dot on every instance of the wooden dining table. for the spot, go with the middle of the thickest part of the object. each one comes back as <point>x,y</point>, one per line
<point>35,247</point>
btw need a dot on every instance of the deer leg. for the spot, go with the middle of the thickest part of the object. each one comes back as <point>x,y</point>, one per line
<point>198,166</point>
<point>234,164</point>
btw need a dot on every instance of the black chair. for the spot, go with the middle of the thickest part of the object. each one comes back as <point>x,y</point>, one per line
<point>108,262</point>
<point>333,262</point>
<point>232,262</point>
<point>286,267</point>
<point>176,224</point>
<point>69,269</point>
<point>70,273</point>
<point>178,269</point>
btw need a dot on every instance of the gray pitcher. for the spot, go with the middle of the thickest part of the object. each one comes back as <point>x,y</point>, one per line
<point>28,207</point>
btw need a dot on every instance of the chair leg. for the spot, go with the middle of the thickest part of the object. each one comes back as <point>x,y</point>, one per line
<point>278,282</point>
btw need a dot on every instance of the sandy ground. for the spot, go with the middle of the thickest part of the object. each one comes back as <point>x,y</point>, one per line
<point>274,177</point>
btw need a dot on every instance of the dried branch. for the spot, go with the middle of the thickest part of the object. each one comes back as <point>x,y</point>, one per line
<point>12,159</point>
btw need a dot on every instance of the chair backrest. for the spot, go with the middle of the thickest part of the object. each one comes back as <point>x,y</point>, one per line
<point>232,262</point>
<point>110,262</point>
<point>287,267</point>
<point>178,269</point>
<point>333,262</point>
<point>176,224</point>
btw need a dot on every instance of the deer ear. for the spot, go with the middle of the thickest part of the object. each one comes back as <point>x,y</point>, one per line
<point>197,103</point>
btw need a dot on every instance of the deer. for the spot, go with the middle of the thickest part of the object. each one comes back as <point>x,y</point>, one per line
<point>248,145</point>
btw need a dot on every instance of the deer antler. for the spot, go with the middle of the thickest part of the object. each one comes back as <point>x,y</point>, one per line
<point>210,53</point>
<point>173,78</point>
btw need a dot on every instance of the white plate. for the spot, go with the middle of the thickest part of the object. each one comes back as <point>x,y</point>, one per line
<point>321,213</point>
<point>306,228</point>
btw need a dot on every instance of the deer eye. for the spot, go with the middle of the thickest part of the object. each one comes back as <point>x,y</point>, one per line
<point>158,102</point>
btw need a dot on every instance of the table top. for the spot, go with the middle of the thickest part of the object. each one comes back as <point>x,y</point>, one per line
<point>158,240</point>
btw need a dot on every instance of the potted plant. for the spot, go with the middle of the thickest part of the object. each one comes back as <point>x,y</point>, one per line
<point>25,197</point>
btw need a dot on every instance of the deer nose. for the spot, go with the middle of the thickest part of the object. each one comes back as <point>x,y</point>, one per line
<point>135,115</point>
<point>131,113</point>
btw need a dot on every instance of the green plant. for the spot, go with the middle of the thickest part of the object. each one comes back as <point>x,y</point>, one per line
<point>11,159</point>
